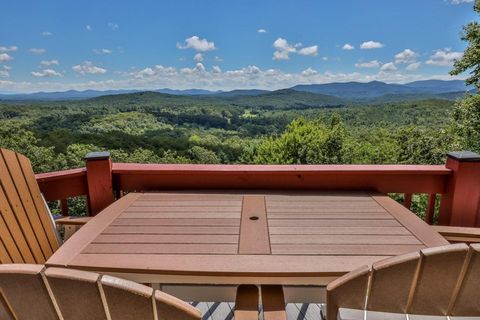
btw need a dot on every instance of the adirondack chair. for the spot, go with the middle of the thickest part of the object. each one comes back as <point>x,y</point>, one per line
<point>27,230</point>
<point>30,291</point>
<point>439,282</point>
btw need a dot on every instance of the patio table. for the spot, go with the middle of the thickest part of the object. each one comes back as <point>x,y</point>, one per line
<point>290,238</point>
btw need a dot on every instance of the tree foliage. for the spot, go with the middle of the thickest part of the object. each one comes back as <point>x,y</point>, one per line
<point>471,57</point>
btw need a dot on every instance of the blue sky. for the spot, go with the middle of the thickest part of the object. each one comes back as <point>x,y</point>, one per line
<point>59,45</point>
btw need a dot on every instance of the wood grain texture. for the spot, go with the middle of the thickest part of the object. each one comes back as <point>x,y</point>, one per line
<point>311,234</point>
<point>410,221</point>
<point>90,231</point>
<point>254,238</point>
<point>12,201</point>
<point>26,229</point>
<point>273,303</point>
<point>246,303</point>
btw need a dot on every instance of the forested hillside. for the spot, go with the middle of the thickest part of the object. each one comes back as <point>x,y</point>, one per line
<point>280,127</point>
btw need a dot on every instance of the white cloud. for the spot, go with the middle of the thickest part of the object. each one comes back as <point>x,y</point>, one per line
<point>461,1</point>
<point>197,44</point>
<point>8,49</point>
<point>406,56</point>
<point>216,69</point>
<point>157,70</point>
<point>102,51</point>
<point>46,34</point>
<point>49,62</point>
<point>198,57</point>
<point>37,51</point>
<point>371,45</point>
<point>217,59</point>
<point>283,49</point>
<point>249,77</point>
<point>262,31</point>
<point>325,58</point>
<point>5,57</point>
<point>413,66</point>
<point>46,73</point>
<point>348,46</point>
<point>7,67</point>
<point>388,67</point>
<point>88,27</point>
<point>444,58</point>
<point>113,26</point>
<point>309,72</point>
<point>368,64</point>
<point>198,69</point>
<point>4,74</point>
<point>309,51</point>
<point>88,68</point>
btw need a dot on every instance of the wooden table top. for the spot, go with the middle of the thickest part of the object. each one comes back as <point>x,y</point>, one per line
<point>278,237</point>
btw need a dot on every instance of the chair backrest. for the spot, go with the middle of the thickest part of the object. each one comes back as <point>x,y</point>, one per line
<point>27,234</point>
<point>29,291</point>
<point>440,281</point>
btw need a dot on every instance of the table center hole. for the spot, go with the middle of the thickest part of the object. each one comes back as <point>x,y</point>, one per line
<point>253,218</point>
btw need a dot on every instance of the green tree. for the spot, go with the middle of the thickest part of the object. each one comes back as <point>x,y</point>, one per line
<point>304,142</point>
<point>466,117</point>
<point>466,123</point>
<point>471,56</point>
<point>203,156</point>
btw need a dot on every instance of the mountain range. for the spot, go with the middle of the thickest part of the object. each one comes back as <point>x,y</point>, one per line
<point>375,91</point>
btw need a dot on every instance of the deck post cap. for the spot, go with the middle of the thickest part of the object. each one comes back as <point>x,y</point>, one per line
<point>464,156</point>
<point>97,155</point>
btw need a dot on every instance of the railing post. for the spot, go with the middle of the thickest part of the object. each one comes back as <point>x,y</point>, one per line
<point>460,205</point>
<point>99,180</point>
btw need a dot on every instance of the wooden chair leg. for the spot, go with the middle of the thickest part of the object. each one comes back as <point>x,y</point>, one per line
<point>246,303</point>
<point>273,302</point>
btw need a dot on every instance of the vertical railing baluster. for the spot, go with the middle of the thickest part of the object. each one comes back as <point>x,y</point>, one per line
<point>407,202</point>
<point>430,213</point>
<point>64,207</point>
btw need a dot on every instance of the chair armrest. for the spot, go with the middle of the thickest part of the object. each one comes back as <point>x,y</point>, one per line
<point>76,221</point>
<point>459,234</point>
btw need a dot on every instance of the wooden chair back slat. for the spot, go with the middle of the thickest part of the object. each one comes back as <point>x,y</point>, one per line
<point>24,291</point>
<point>77,294</point>
<point>14,225</point>
<point>348,291</point>
<point>4,256</point>
<point>435,283</point>
<point>127,300</point>
<point>391,283</point>
<point>467,302</point>
<point>29,291</point>
<point>25,195</point>
<point>42,211</point>
<point>438,276</point>
<point>19,200</point>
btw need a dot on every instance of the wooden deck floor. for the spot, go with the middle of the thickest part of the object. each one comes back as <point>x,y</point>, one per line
<point>224,311</point>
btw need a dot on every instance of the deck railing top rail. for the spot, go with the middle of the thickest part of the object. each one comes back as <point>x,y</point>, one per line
<point>102,181</point>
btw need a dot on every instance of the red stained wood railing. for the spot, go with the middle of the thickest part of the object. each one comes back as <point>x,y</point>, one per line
<point>407,201</point>
<point>64,184</point>
<point>102,181</point>
<point>429,216</point>
<point>383,178</point>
